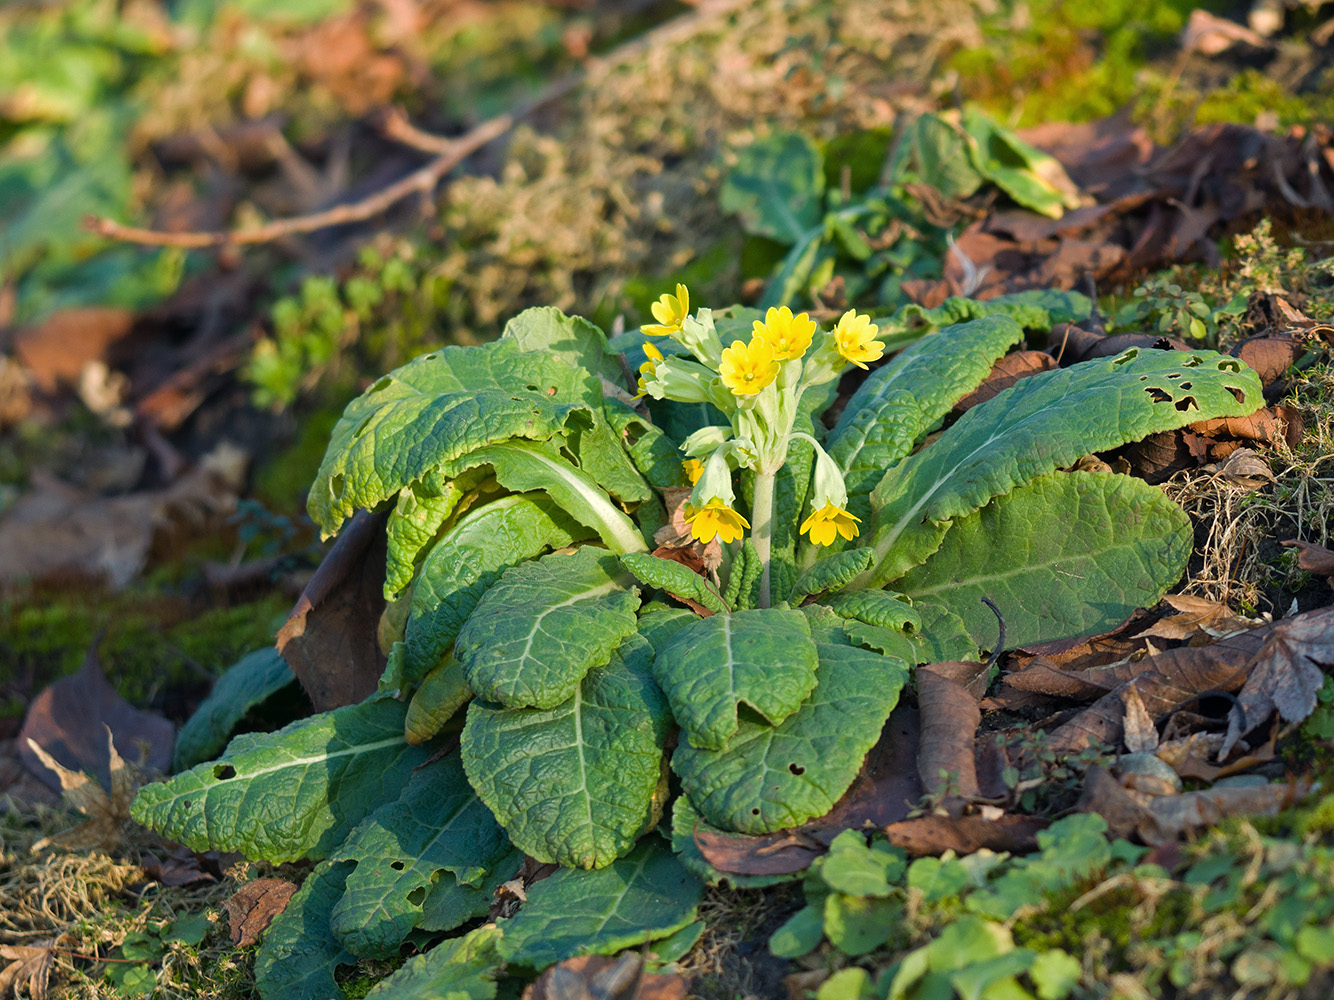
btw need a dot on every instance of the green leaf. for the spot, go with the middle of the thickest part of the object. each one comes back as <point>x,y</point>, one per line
<point>903,400</point>
<point>1031,177</point>
<point>437,827</point>
<point>943,635</point>
<point>426,417</point>
<point>658,623</point>
<point>789,284</point>
<point>743,577</point>
<point>876,607</point>
<point>993,977</point>
<point>852,983</point>
<point>763,658</point>
<point>889,641</point>
<point>777,187</point>
<point>646,895</point>
<point>287,795</point>
<point>771,777</point>
<point>1055,973</point>
<point>575,784</point>
<point>602,457</point>
<point>450,904</point>
<point>673,578</point>
<point>1041,424</point>
<point>524,466</point>
<point>832,573</point>
<point>464,564</point>
<point>412,526</point>
<point>1071,850</point>
<point>244,684</point>
<point>652,452</point>
<point>536,633</point>
<point>940,152</point>
<point>461,968</point>
<point>573,339</point>
<point>801,934</point>
<point>441,694</point>
<point>299,954</point>
<point>1066,555</point>
<point>856,926</point>
<point>791,484</point>
<point>686,823</point>
<point>854,869</point>
<point>938,878</point>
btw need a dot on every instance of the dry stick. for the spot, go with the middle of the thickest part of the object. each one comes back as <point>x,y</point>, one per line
<point>449,153</point>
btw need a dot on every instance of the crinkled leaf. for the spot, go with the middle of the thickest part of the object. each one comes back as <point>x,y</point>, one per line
<point>648,894</point>
<point>426,416</point>
<point>832,572</point>
<point>652,452</point>
<point>658,623</point>
<point>686,823</point>
<point>574,339</point>
<point>575,784</point>
<point>1033,309</point>
<point>743,578</point>
<point>777,187</point>
<point>876,607</point>
<point>242,686</point>
<point>299,954</point>
<point>466,562</point>
<point>1041,424</point>
<point>1066,555</point>
<point>450,904</point>
<point>763,658</point>
<point>673,578</point>
<point>292,794</point>
<point>943,635</point>
<point>437,828</point>
<point>461,968</point>
<point>442,693</point>
<point>523,466</point>
<point>771,777</point>
<point>602,456</point>
<point>791,484</point>
<point>413,525</point>
<point>536,633</point>
<point>903,400</point>
<point>885,640</point>
<point>1031,177</point>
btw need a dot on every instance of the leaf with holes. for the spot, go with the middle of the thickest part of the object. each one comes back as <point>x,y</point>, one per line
<point>645,896</point>
<point>437,828</point>
<point>579,783</point>
<point>761,658</point>
<point>771,777</point>
<point>296,793</point>
<point>536,633</point>
<point>1041,424</point>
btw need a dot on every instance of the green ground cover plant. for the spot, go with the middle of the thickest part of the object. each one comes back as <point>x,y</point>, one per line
<point>531,620</point>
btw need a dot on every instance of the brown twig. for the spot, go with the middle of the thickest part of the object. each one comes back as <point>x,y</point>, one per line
<point>448,152</point>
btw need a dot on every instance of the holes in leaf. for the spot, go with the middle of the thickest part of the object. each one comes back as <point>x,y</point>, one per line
<point>1126,358</point>
<point>1157,395</point>
<point>417,895</point>
<point>398,866</point>
<point>551,391</point>
<point>1187,385</point>
<point>796,769</point>
<point>362,426</point>
<point>1229,365</point>
<point>381,385</point>
<point>1191,362</point>
<point>1237,394</point>
<point>1186,403</point>
<point>223,771</point>
<point>1144,378</point>
<point>336,484</point>
<point>1174,375</point>
<point>430,357</point>
<point>531,388</point>
<point>754,812</point>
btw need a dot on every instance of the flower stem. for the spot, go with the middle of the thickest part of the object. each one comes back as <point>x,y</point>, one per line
<point>761,527</point>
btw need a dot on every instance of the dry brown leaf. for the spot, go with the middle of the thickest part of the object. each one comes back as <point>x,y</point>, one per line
<point>1104,795</point>
<point>676,532</point>
<point>1211,35</point>
<point>253,906</point>
<point>598,977</point>
<point>1286,673</point>
<point>950,717</point>
<point>1312,558</point>
<point>1173,816</point>
<point>30,963</point>
<point>1005,373</point>
<point>106,812</point>
<point>966,834</point>
<point>1140,734</point>
<point>56,350</point>
<point>1244,468</point>
<point>1197,617</point>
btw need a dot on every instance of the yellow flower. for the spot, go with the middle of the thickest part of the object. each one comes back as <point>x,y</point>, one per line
<point>788,335</point>
<point>649,367</point>
<point>715,518</point>
<point>829,521</point>
<point>694,469</point>
<point>855,338</point>
<point>670,311</point>
<point>748,368</point>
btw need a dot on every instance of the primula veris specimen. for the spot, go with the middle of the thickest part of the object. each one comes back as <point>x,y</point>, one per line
<point>522,502</point>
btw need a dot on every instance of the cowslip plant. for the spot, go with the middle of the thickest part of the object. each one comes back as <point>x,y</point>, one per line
<point>533,621</point>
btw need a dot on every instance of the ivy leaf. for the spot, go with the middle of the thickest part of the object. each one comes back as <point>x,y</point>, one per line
<point>1041,424</point>
<point>427,416</point>
<point>573,339</point>
<point>465,563</point>
<point>771,777</point>
<point>646,895</point>
<point>1067,555</point>
<point>673,578</point>
<point>575,784</point>
<point>536,633</point>
<point>763,658</point>
<point>461,968</point>
<point>903,400</point>
<point>437,826</point>
<point>833,572</point>
<point>296,793</point>
<point>242,686</point>
<point>299,954</point>
<point>777,187</point>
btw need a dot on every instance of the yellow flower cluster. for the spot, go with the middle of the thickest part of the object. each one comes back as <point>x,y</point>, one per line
<point>828,522</point>
<point>715,518</point>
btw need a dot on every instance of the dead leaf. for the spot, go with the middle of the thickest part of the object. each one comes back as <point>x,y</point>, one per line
<point>1211,35</point>
<point>1140,735</point>
<point>966,834</point>
<point>1104,795</point>
<point>676,532</point>
<point>107,810</point>
<point>30,963</point>
<point>329,639</point>
<point>1286,674</point>
<point>1312,558</point>
<point>599,977</point>
<point>1245,469</point>
<point>253,906</point>
<point>69,721</point>
<point>1171,817</point>
<point>1271,355</point>
<point>1197,618</point>
<point>1005,373</point>
<point>950,717</point>
<point>186,867</point>
<point>56,350</point>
